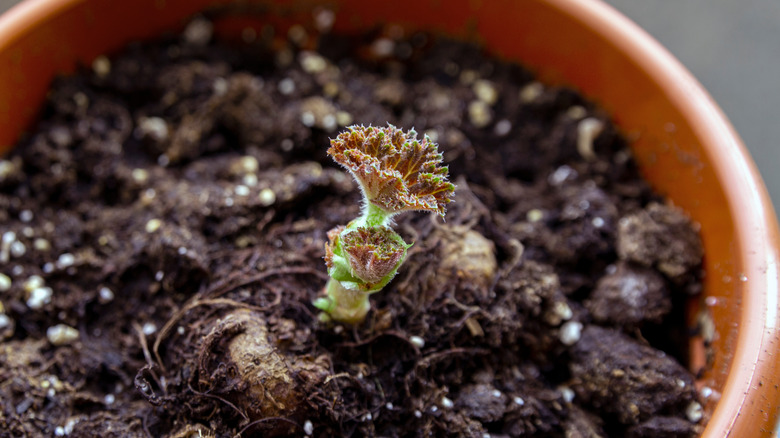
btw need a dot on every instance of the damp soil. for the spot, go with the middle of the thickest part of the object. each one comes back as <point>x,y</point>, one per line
<point>163,238</point>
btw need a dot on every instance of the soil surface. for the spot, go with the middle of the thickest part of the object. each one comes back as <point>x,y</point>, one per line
<point>163,233</point>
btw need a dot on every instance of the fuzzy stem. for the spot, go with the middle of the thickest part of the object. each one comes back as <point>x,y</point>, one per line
<point>372,216</point>
<point>344,305</point>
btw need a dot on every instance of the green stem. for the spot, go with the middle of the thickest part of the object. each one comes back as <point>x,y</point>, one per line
<point>344,305</point>
<point>372,216</point>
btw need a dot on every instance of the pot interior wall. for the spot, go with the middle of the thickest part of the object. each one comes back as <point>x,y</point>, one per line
<point>557,40</point>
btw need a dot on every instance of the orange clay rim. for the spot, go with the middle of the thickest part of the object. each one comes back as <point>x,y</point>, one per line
<point>754,364</point>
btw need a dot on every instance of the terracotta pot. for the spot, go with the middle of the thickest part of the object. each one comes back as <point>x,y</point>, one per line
<point>685,146</point>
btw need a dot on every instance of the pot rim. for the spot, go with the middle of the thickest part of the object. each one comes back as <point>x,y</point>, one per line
<point>27,14</point>
<point>749,204</point>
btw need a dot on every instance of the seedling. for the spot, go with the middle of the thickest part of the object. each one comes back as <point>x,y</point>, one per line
<point>396,173</point>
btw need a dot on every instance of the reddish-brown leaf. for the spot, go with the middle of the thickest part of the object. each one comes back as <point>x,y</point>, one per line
<point>396,171</point>
<point>373,253</point>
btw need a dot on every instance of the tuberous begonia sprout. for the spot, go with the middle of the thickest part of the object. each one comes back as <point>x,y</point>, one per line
<point>397,173</point>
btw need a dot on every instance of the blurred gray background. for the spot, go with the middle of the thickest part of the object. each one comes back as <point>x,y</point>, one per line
<point>733,48</point>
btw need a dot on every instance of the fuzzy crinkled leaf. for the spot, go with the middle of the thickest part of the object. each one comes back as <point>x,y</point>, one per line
<point>373,253</point>
<point>397,171</point>
<point>333,242</point>
<point>366,258</point>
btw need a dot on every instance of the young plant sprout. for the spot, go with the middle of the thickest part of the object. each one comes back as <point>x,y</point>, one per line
<point>396,173</point>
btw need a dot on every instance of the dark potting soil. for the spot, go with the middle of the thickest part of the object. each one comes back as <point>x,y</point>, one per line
<point>163,239</point>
